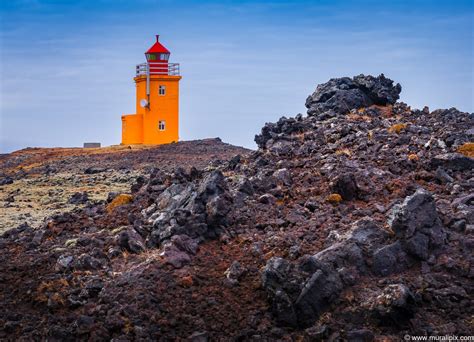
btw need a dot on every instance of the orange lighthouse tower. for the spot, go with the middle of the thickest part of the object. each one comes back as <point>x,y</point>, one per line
<point>157,118</point>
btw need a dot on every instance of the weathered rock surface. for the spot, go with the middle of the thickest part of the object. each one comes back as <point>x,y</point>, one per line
<point>417,224</point>
<point>418,231</point>
<point>341,95</point>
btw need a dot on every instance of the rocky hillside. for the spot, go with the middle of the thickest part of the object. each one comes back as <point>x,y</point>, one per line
<point>36,183</point>
<point>354,223</point>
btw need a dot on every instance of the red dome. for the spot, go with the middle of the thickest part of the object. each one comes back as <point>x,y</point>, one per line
<point>157,47</point>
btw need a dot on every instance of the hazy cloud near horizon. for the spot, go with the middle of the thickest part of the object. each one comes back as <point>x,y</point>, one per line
<point>67,67</point>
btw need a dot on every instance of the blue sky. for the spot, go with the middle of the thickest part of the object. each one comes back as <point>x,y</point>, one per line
<point>67,67</point>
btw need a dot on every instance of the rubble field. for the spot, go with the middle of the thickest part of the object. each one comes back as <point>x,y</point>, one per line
<point>354,222</point>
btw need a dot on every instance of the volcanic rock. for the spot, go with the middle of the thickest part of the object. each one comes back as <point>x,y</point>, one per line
<point>79,198</point>
<point>453,161</point>
<point>174,256</point>
<point>346,186</point>
<point>318,293</point>
<point>235,272</point>
<point>64,262</point>
<point>390,259</point>
<point>130,240</point>
<point>275,278</point>
<point>340,95</point>
<point>221,243</point>
<point>6,180</point>
<point>93,170</point>
<point>417,223</point>
<point>395,305</point>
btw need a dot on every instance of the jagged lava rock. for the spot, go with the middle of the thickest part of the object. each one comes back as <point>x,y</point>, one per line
<point>416,222</point>
<point>340,95</point>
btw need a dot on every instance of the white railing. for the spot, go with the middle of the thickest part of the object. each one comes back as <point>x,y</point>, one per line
<point>158,68</point>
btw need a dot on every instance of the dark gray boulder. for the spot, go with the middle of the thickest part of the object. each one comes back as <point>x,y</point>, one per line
<point>271,131</point>
<point>282,176</point>
<point>275,280</point>
<point>419,231</point>
<point>367,234</point>
<point>130,240</point>
<point>196,209</point>
<point>390,259</point>
<point>342,254</point>
<point>174,256</point>
<point>417,224</point>
<point>467,200</point>
<point>217,209</point>
<point>339,96</point>
<point>89,262</point>
<point>418,246</point>
<point>6,180</point>
<point>452,161</point>
<point>185,244</point>
<point>79,198</point>
<point>380,89</point>
<point>323,275</point>
<point>318,293</point>
<point>245,186</point>
<point>94,169</point>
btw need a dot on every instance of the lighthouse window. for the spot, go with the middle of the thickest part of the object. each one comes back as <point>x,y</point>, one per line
<point>164,56</point>
<point>151,57</point>
<point>162,125</point>
<point>162,90</point>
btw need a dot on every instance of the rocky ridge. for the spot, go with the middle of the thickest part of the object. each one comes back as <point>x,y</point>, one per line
<point>354,222</point>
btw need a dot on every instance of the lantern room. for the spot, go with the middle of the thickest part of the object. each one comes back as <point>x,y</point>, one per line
<point>157,57</point>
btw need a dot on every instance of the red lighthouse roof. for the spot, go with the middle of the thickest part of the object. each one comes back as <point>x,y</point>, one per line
<point>157,47</point>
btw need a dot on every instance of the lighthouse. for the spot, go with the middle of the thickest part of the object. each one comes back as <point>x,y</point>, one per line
<point>157,100</point>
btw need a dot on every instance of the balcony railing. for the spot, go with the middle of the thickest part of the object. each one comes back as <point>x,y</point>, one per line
<point>157,68</point>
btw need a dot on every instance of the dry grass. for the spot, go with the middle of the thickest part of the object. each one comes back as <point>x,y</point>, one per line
<point>397,128</point>
<point>38,197</point>
<point>344,151</point>
<point>358,117</point>
<point>334,198</point>
<point>118,201</point>
<point>467,149</point>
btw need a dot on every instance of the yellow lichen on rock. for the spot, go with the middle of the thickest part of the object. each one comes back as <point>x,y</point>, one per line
<point>467,149</point>
<point>344,151</point>
<point>413,157</point>
<point>397,128</point>
<point>118,201</point>
<point>334,198</point>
